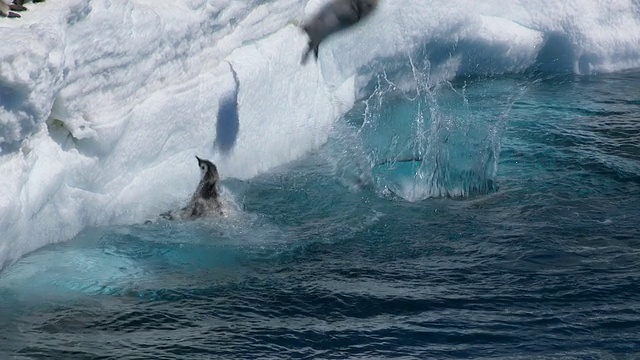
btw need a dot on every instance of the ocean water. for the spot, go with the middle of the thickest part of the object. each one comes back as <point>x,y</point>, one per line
<point>489,217</point>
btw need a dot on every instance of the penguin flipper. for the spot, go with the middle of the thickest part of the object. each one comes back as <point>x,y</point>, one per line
<point>16,7</point>
<point>167,215</point>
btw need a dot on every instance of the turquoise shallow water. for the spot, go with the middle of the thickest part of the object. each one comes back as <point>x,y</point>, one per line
<point>521,241</point>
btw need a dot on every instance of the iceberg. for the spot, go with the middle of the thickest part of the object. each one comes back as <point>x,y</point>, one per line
<point>103,104</point>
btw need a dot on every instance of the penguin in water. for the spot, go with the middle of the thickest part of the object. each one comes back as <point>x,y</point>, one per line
<point>205,200</point>
<point>336,16</point>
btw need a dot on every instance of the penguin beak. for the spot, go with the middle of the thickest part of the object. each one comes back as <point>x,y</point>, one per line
<point>199,160</point>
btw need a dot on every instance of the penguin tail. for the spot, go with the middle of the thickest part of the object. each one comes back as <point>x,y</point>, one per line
<point>311,48</point>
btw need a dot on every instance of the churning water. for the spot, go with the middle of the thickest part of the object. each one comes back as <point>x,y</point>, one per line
<point>484,218</point>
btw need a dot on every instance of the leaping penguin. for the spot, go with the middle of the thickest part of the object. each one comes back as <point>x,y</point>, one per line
<point>334,17</point>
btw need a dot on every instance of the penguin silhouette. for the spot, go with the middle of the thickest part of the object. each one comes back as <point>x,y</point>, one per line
<point>205,200</point>
<point>336,16</point>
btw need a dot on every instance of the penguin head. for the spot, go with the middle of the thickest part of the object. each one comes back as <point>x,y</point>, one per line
<point>208,170</point>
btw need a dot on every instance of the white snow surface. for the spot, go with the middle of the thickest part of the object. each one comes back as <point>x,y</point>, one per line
<point>104,104</point>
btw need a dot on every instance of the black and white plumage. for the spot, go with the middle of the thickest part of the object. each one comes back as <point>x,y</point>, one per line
<point>334,17</point>
<point>5,11</point>
<point>16,5</point>
<point>22,2</point>
<point>205,201</point>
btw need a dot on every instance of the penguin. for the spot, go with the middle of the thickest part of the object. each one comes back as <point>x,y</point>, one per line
<point>336,16</point>
<point>205,201</point>
<point>22,2</point>
<point>18,5</point>
<point>5,11</point>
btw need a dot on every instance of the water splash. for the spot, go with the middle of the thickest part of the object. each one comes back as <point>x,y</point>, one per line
<point>427,137</point>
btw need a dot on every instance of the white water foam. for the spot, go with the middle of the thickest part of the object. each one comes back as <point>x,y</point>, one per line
<point>103,104</point>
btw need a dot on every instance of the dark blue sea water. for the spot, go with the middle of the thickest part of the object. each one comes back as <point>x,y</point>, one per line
<point>487,218</point>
